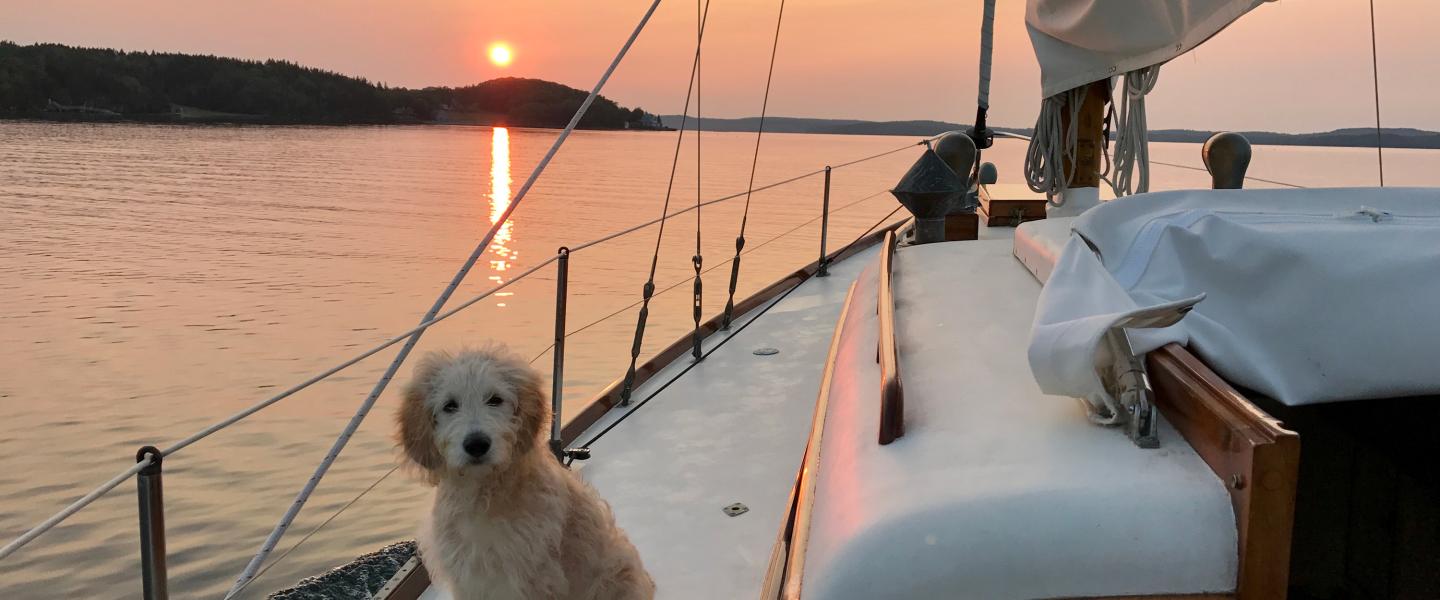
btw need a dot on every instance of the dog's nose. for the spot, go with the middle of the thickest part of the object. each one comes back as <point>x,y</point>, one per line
<point>477,444</point>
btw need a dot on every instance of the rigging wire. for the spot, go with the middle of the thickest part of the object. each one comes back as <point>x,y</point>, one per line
<point>727,338</point>
<point>754,162</point>
<point>317,528</point>
<point>698,260</point>
<point>1375,74</point>
<point>677,284</point>
<point>649,289</point>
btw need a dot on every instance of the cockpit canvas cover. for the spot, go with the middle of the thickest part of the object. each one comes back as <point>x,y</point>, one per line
<point>1304,295</point>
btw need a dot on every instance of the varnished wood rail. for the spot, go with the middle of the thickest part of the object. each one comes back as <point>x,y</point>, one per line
<point>1256,457</point>
<point>892,391</point>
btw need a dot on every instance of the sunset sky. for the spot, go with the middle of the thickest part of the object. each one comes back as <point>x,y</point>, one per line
<point>1293,65</point>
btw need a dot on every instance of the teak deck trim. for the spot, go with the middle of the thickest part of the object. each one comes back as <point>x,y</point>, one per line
<point>892,392</point>
<point>1256,457</point>
<point>783,580</point>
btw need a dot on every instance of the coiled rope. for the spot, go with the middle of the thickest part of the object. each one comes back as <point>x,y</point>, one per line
<point>1132,146</point>
<point>1051,153</point>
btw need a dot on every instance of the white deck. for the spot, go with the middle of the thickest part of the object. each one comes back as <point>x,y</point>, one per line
<point>996,491</point>
<point>733,429</point>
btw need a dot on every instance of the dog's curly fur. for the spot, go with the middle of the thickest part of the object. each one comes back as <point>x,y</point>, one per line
<point>512,523</point>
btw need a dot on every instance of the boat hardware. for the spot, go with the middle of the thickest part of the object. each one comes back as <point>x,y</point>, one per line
<point>928,190</point>
<point>574,454</point>
<point>1226,156</point>
<point>736,509</point>
<point>1126,379</point>
<point>557,375</point>
<point>152,525</point>
<point>959,153</point>
<point>766,351</point>
<point>988,174</point>
<point>649,289</point>
<point>824,269</point>
<point>697,308</point>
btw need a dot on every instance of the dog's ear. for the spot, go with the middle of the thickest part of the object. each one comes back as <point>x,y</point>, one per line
<point>531,406</point>
<point>416,423</point>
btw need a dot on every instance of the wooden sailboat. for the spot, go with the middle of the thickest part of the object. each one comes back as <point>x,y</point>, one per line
<point>875,425</point>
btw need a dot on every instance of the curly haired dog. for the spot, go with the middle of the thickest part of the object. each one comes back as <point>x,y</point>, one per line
<point>508,521</point>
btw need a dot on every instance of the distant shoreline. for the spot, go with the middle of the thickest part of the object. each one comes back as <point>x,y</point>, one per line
<point>54,82</point>
<point>1339,138</point>
<point>1358,137</point>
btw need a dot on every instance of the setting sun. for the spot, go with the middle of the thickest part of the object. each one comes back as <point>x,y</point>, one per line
<point>500,54</point>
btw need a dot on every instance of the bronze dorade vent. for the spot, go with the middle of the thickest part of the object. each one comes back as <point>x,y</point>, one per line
<point>929,190</point>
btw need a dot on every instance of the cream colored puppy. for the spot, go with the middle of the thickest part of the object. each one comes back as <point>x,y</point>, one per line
<point>508,521</point>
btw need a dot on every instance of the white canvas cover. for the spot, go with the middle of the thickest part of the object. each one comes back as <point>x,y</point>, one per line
<point>1080,41</point>
<point>1306,296</point>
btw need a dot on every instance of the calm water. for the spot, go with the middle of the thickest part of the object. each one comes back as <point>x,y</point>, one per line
<point>154,279</point>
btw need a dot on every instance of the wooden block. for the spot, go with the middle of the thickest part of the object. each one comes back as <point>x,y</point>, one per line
<point>1008,205</point>
<point>962,227</point>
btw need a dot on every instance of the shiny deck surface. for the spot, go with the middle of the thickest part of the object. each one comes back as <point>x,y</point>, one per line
<point>731,430</point>
<point>996,490</point>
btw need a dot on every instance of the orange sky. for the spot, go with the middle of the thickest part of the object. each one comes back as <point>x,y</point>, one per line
<point>1294,65</point>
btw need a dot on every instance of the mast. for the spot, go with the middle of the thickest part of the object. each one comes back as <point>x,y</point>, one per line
<point>1089,135</point>
<point>979,132</point>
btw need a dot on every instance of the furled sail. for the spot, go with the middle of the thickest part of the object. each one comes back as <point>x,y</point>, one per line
<point>1078,42</point>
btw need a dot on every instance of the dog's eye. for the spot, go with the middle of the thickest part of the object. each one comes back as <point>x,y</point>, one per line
<point>450,406</point>
<point>494,401</point>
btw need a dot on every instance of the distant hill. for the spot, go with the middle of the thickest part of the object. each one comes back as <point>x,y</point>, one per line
<point>1356,137</point>
<point>51,81</point>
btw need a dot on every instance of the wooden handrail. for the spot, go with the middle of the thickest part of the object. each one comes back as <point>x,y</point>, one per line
<point>1252,452</point>
<point>892,392</point>
<point>787,565</point>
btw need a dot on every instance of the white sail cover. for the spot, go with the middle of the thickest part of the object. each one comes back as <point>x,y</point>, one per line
<point>1080,41</point>
<point>1306,296</point>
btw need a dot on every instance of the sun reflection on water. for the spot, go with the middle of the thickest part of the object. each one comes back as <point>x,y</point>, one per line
<point>499,201</point>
